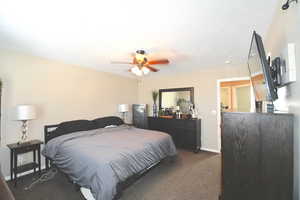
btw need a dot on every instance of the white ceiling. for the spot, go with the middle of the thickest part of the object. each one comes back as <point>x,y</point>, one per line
<point>191,33</point>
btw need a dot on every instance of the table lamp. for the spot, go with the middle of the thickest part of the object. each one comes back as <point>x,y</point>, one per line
<point>123,108</point>
<point>25,113</point>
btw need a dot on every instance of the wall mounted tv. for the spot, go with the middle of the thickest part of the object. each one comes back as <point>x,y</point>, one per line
<point>260,71</point>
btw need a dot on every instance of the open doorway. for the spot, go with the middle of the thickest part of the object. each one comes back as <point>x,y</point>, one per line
<point>233,95</point>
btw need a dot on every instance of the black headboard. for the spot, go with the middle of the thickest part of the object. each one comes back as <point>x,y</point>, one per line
<point>52,131</point>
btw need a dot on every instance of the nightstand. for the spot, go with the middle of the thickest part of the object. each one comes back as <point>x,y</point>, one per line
<point>16,149</point>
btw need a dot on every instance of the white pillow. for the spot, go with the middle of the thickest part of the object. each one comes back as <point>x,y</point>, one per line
<point>111,126</point>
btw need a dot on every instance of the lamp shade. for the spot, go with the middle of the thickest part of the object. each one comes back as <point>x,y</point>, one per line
<point>123,108</point>
<point>25,112</point>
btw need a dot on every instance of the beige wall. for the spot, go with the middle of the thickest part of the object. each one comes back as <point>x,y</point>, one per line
<point>61,92</point>
<point>205,85</point>
<point>286,29</point>
<point>64,92</point>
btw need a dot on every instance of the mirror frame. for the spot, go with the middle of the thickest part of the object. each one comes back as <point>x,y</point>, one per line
<point>190,89</point>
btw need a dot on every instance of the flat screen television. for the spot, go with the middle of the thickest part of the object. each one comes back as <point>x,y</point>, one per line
<point>260,72</point>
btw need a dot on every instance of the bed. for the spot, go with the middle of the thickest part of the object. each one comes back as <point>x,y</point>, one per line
<point>104,155</point>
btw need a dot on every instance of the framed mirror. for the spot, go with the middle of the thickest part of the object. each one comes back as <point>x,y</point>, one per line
<point>171,98</point>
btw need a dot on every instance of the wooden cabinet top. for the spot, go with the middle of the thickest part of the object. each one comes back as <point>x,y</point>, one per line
<point>255,113</point>
<point>161,118</point>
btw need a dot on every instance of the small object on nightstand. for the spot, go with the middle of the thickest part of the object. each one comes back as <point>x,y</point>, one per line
<point>16,149</point>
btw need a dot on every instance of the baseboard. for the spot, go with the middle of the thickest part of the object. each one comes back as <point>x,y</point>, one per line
<point>210,150</point>
<point>7,178</point>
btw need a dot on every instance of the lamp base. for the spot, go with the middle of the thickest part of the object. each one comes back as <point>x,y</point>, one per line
<point>24,129</point>
<point>123,116</point>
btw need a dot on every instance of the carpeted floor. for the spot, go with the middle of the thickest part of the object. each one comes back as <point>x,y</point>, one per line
<point>191,177</point>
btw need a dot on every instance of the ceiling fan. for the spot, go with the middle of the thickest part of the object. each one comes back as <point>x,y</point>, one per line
<point>142,64</point>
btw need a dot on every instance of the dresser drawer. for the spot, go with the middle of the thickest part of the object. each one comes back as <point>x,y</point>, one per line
<point>185,133</point>
<point>154,124</point>
<point>179,123</point>
<point>190,124</point>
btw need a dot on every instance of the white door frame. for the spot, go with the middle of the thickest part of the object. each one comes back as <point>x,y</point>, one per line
<point>219,99</point>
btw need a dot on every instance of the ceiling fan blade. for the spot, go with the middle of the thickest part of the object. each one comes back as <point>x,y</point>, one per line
<point>117,62</point>
<point>151,68</point>
<point>158,62</point>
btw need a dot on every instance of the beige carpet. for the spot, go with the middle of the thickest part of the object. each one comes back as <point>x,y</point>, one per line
<point>191,177</point>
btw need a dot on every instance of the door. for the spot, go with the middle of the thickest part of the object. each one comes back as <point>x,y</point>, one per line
<point>242,98</point>
<point>226,104</point>
<point>235,96</point>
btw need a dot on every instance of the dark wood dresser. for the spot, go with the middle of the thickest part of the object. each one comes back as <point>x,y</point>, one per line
<point>139,115</point>
<point>257,156</point>
<point>186,133</point>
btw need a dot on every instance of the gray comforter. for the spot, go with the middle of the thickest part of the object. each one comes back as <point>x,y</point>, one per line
<point>100,159</point>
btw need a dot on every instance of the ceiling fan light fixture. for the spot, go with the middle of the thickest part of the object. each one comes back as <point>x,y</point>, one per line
<point>145,70</point>
<point>140,56</point>
<point>141,65</point>
<point>141,52</point>
<point>136,71</point>
<point>139,73</point>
